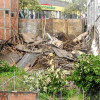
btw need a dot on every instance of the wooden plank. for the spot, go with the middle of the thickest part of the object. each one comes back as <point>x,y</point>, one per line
<point>80,37</point>
<point>28,60</point>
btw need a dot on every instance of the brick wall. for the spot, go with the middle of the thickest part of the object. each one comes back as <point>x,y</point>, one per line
<point>9,16</point>
<point>18,96</point>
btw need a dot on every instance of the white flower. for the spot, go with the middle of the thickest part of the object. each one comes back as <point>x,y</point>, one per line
<point>45,89</point>
<point>31,78</point>
<point>58,70</point>
<point>57,76</point>
<point>48,79</point>
<point>26,77</point>
<point>65,71</point>
<point>51,69</point>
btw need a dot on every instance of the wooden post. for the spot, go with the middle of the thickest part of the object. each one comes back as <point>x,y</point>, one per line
<point>42,27</point>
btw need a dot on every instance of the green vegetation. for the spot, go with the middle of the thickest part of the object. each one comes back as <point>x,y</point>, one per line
<point>6,73</point>
<point>30,5</point>
<point>71,95</point>
<point>50,81</point>
<point>87,74</point>
<point>74,7</point>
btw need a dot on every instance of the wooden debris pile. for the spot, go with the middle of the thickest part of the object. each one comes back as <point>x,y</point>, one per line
<point>34,51</point>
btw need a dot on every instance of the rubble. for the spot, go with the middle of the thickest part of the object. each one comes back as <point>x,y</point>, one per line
<point>63,53</point>
<point>80,37</point>
<point>32,53</point>
<point>35,51</point>
<point>27,60</point>
<point>28,38</point>
<point>77,53</point>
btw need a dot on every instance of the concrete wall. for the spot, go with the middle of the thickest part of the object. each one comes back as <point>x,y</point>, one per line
<point>72,27</point>
<point>75,27</point>
<point>59,25</point>
<point>29,26</point>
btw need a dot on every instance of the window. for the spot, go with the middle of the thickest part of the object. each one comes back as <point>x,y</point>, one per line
<point>6,11</point>
<point>12,14</point>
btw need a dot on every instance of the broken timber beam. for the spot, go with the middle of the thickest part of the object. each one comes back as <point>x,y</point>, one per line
<point>28,60</point>
<point>80,37</point>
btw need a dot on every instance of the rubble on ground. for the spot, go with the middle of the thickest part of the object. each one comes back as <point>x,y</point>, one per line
<point>34,51</point>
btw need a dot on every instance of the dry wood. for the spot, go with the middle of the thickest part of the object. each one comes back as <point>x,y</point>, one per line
<point>80,37</point>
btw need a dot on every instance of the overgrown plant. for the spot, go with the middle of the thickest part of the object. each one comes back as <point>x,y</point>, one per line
<point>50,81</point>
<point>6,69</point>
<point>87,74</point>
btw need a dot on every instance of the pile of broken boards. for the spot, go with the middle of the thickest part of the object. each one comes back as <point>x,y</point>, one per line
<point>34,51</point>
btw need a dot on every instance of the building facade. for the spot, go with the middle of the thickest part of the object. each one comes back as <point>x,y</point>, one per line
<point>93,11</point>
<point>51,9</point>
<point>93,20</point>
<point>8,18</point>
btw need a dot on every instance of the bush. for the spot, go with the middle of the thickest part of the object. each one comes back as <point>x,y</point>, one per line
<point>6,69</point>
<point>50,81</point>
<point>87,73</point>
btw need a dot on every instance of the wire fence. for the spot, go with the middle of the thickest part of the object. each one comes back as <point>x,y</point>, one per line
<point>16,88</point>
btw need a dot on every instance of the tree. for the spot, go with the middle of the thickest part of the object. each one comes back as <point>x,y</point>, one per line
<point>30,5</point>
<point>75,6</point>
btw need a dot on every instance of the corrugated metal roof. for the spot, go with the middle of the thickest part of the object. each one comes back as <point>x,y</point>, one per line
<point>53,2</point>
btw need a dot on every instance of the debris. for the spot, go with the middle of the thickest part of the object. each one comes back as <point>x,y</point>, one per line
<point>54,41</point>
<point>21,47</point>
<point>39,51</point>
<point>28,60</point>
<point>77,53</point>
<point>63,53</point>
<point>28,38</point>
<point>80,37</point>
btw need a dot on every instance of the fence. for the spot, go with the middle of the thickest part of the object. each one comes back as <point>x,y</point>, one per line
<point>33,93</point>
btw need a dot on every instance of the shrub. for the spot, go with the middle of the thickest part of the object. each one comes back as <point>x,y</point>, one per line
<point>87,73</point>
<point>50,81</point>
<point>6,69</point>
